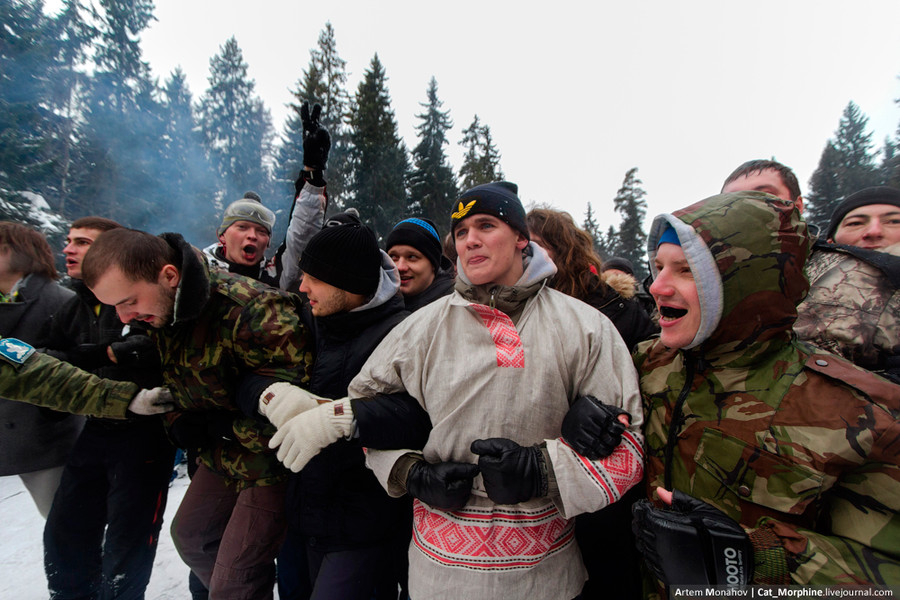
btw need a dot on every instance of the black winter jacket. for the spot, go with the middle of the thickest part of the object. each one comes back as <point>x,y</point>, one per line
<point>440,287</point>
<point>335,501</point>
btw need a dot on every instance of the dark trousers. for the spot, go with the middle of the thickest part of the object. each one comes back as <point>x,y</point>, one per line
<point>348,574</point>
<point>609,550</point>
<point>230,538</point>
<point>376,573</point>
<point>101,534</point>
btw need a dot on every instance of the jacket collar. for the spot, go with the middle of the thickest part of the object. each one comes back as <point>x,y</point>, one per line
<point>194,288</point>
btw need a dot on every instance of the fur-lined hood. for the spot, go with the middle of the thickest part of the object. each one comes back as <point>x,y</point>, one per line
<point>624,284</point>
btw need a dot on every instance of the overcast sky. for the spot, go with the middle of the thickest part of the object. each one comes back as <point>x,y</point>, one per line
<point>576,93</point>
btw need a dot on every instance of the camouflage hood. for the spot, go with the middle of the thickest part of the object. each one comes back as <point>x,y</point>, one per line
<point>747,252</point>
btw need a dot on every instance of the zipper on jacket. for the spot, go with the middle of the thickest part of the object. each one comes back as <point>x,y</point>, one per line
<point>678,418</point>
<point>493,300</point>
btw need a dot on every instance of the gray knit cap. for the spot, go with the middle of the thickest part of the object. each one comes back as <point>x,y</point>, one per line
<point>248,208</point>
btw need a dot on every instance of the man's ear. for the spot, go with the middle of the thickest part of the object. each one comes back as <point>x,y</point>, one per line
<point>521,242</point>
<point>169,276</point>
<point>800,204</point>
<point>222,239</point>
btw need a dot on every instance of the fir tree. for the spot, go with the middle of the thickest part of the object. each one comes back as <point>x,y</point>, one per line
<point>74,35</point>
<point>186,175</point>
<point>482,161</point>
<point>891,166</point>
<point>379,156</point>
<point>609,244</point>
<point>432,185</point>
<point>237,128</point>
<point>592,228</point>
<point>630,203</point>
<point>25,125</point>
<point>123,122</point>
<point>846,166</point>
<point>324,82</point>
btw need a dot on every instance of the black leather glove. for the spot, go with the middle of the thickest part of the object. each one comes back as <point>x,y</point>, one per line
<point>444,485</point>
<point>512,473</point>
<point>202,429</point>
<point>316,141</point>
<point>692,543</point>
<point>135,350</point>
<point>592,428</point>
<point>88,356</point>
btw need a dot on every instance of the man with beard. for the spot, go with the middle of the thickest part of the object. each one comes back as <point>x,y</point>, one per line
<point>211,329</point>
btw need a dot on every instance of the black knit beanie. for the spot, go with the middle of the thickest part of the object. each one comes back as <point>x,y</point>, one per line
<point>422,235</point>
<point>872,195</point>
<point>498,199</point>
<point>345,256</point>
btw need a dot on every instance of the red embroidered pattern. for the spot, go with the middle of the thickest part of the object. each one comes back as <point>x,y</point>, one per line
<point>620,470</point>
<point>510,351</point>
<point>491,538</point>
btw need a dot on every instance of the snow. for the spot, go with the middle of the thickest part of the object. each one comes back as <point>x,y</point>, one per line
<point>21,552</point>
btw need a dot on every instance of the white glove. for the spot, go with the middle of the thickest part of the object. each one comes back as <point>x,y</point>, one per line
<point>281,401</point>
<point>152,402</point>
<point>305,435</point>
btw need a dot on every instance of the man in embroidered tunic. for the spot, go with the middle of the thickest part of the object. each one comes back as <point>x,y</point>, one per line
<point>496,365</point>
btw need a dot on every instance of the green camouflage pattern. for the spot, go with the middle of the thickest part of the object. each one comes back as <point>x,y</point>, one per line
<point>799,446</point>
<point>244,327</point>
<point>852,310</point>
<point>45,381</point>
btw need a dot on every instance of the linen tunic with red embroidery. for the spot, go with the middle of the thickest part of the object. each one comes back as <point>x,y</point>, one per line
<point>479,375</point>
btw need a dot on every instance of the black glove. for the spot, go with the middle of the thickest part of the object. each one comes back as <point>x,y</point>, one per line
<point>444,485</point>
<point>88,356</point>
<point>692,543</point>
<point>135,350</point>
<point>316,141</point>
<point>592,428</point>
<point>202,429</point>
<point>512,473</point>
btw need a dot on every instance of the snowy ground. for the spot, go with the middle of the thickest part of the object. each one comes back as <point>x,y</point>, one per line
<point>21,552</point>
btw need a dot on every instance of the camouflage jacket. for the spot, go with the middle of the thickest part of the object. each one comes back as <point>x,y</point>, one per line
<point>853,307</point>
<point>225,326</point>
<point>41,380</point>
<point>800,447</point>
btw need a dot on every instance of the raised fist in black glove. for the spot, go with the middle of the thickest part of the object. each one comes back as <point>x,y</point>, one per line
<point>592,428</point>
<point>512,473</point>
<point>444,485</point>
<point>316,141</point>
<point>692,543</point>
<point>202,429</point>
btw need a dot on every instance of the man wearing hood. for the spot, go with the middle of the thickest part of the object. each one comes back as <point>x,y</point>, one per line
<point>497,365</point>
<point>342,527</point>
<point>773,462</point>
<point>211,330</point>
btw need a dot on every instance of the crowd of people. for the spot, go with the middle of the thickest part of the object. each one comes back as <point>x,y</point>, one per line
<point>502,420</point>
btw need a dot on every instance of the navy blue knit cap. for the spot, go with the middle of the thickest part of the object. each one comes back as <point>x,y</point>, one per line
<point>498,199</point>
<point>422,235</point>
